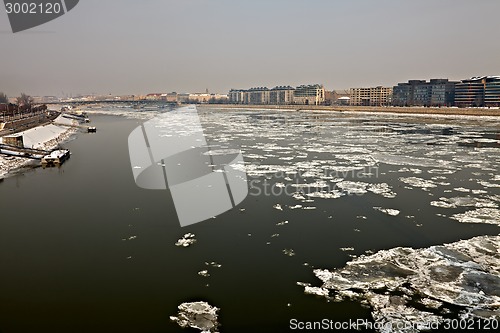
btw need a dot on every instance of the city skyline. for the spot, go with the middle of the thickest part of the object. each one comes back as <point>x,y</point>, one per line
<point>131,47</point>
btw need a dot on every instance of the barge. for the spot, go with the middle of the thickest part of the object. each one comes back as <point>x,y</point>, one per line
<point>55,158</point>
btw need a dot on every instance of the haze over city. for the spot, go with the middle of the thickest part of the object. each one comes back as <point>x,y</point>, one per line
<point>136,47</point>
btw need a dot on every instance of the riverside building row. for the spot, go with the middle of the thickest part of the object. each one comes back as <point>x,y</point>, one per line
<point>481,91</point>
<point>313,94</point>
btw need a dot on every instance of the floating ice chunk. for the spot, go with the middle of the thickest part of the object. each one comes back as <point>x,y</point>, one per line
<point>186,240</point>
<point>464,202</point>
<point>392,314</point>
<point>383,189</point>
<point>488,184</point>
<point>479,191</point>
<point>344,249</point>
<point>282,223</point>
<point>317,185</point>
<point>298,196</point>
<point>295,207</point>
<point>418,182</point>
<point>204,273</point>
<point>289,252</point>
<point>350,187</point>
<point>278,207</point>
<point>334,194</point>
<point>213,264</point>
<point>465,273</point>
<point>388,211</point>
<point>316,291</point>
<point>441,171</point>
<point>431,303</point>
<point>462,189</point>
<point>309,208</point>
<point>480,215</point>
<point>413,161</point>
<point>199,315</point>
<point>442,204</point>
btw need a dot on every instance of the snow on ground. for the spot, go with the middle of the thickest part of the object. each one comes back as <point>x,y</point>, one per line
<point>45,137</point>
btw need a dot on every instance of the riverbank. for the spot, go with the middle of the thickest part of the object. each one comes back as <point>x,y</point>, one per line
<point>44,137</point>
<point>390,109</point>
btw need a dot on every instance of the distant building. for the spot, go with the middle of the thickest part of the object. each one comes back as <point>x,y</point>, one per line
<point>260,95</point>
<point>153,97</point>
<point>199,98</point>
<point>171,97</point>
<point>281,95</point>
<point>183,98</point>
<point>436,92</point>
<point>442,92</point>
<point>313,94</point>
<point>481,91</point>
<point>403,93</point>
<point>344,100</point>
<point>236,96</point>
<point>492,91</point>
<point>374,96</point>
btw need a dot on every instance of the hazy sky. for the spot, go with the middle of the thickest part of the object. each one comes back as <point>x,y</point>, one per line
<point>141,46</point>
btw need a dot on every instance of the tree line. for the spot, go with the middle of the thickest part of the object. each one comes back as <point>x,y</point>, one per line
<point>24,100</point>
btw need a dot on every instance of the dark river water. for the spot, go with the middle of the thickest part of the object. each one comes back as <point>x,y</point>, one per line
<point>84,249</point>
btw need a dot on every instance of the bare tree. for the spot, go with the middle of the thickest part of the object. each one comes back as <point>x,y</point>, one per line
<point>3,98</point>
<point>25,100</point>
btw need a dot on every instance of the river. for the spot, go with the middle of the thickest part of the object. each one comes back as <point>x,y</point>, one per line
<point>84,249</point>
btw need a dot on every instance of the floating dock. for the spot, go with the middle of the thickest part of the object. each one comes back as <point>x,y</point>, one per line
<point>56,158</point>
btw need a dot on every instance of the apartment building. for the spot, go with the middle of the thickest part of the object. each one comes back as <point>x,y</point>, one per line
<point>281,95</point>
<point>436,92</point>
<point>313,94</point>
<point>374,96</point>
<point>483,91</point>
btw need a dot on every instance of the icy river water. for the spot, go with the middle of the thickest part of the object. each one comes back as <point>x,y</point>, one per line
<point>83,249</point>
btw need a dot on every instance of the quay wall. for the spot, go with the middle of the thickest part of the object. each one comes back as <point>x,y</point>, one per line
<point>403,110</point>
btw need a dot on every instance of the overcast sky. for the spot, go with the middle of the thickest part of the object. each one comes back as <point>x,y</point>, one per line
<point>141,46</point>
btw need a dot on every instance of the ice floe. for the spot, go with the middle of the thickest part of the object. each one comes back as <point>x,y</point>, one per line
<point>418,182</point>
<point>204,273</point>
<point>406,285</point>
<point>198,315</point>
<point>383,189</point>
<point>278,207</point>
<point>186,240</point>
<point>388,211</point>
<point>463,202</point>
<point>480,215</point>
